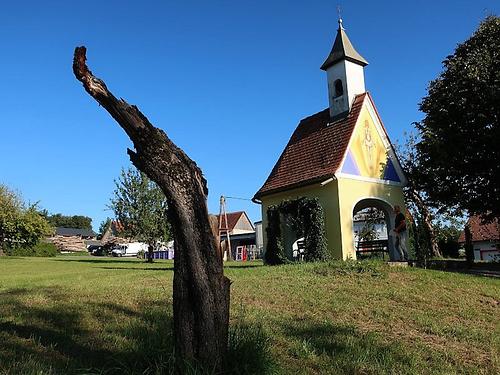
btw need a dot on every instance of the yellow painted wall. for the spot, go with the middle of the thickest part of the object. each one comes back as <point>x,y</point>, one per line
<point>338,199</point>
<point>351,191</point>
<point>328,198</point>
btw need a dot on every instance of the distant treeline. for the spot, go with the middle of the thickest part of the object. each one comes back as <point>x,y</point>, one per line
<point>75,221</point>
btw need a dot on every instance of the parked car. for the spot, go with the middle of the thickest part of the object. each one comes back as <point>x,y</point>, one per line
<point>97,250</point>
<point>129,249</point>
<point>100,251</point>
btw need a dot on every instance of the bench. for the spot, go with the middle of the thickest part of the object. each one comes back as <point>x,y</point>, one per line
<point>372,247</point>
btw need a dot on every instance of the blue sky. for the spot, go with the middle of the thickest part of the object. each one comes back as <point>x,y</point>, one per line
<point>227,80</point>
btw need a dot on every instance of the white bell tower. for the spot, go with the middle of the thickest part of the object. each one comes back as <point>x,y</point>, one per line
<point>344,68</point>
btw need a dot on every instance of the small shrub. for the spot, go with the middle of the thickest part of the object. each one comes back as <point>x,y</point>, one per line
<point>41,249</point>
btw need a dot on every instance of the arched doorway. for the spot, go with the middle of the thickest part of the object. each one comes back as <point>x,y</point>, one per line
<point>379,214</point>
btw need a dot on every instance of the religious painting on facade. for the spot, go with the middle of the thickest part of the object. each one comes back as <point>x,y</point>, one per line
<point>367,155</point>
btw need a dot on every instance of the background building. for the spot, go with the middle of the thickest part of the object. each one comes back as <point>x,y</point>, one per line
<point>485,239</point>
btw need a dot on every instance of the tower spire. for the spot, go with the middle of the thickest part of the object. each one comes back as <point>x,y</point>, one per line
<point>343,50</point>
<point>344,68</point>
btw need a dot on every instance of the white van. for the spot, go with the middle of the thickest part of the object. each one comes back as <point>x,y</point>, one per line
<point>129,249</point>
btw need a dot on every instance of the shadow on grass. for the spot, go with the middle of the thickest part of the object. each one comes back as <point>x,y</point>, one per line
<point>235,266</point>
<point>102,260</point>
<point>346,350</point>
<point>138,268</point>
<point>133,261</point>
<point>43,332</point>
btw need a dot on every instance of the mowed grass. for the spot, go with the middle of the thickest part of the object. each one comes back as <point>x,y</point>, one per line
<point>87,315</point>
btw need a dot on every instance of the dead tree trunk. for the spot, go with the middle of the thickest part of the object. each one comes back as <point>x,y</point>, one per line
<point>201,291</point>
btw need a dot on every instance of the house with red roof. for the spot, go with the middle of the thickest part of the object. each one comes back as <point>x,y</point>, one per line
<point>341,155</point>
<point>485,239</point>
<point>242,235</point>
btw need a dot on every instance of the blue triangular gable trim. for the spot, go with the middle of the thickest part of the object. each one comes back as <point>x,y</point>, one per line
<point>350,165</point>
<point>390,172</point>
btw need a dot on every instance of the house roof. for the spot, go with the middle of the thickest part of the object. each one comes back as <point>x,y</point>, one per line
<point>114,233</point>
<point>69,232</point>
<point>232,219</point>
<point>343,50</point>
<point>314,152</point>
<point>482,232</point>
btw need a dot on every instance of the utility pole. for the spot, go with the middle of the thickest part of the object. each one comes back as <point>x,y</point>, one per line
<point>224,227</point>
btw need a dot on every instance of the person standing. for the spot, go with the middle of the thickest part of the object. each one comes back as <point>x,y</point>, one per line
<point>400,231</point>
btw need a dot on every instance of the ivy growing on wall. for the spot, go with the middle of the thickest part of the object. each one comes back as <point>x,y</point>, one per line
<point>305,217</point>
<point>275,253</point>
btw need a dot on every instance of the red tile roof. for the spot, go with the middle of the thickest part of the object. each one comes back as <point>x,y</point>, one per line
<point>232,219</point>
<point>482,232</point>
<point>314,152</point>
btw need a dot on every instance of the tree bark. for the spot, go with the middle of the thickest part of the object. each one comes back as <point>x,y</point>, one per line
<point>201,291</point>
<point>214,224</point>
<point>149,254</point>
<point>426,222</point>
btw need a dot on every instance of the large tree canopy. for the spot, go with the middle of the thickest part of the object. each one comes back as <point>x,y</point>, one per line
<point>460,134</point>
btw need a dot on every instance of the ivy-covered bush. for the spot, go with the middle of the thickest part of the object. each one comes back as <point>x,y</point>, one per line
<point>275,253</point>
<point>305,217</point>
<point>313,223</point>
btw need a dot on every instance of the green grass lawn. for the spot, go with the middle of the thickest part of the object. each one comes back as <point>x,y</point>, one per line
<point>88,315</point>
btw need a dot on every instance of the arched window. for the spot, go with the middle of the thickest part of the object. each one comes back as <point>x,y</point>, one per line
<point>339,88</point>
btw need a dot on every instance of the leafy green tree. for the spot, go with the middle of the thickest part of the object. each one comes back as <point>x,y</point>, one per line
<point>459,142</point>
<point>141,208</point>
<point>447,229</point>
<point>423,235</point>
<point>20,225</point>
<point>75,221</point>
<point>371,218</point>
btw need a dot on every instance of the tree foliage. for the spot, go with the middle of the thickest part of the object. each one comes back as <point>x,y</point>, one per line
<point>141,207</point>
<point>20,225</point>
<point>434,228</point>
<point>65,221</point>
<point>447,235</point>
<point>460,134</point>
<point>423,236</point>
<point>371,218</point>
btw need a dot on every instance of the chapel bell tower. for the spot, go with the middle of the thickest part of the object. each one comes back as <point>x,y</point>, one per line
<point>344,68</point>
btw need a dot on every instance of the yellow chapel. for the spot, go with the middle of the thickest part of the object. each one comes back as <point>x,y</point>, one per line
<point>342,156</point>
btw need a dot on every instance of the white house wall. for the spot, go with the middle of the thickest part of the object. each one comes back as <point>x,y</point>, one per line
<point>486,251</point>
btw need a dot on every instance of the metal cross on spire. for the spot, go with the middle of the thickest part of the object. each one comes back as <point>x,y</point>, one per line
<point>340,17</point>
